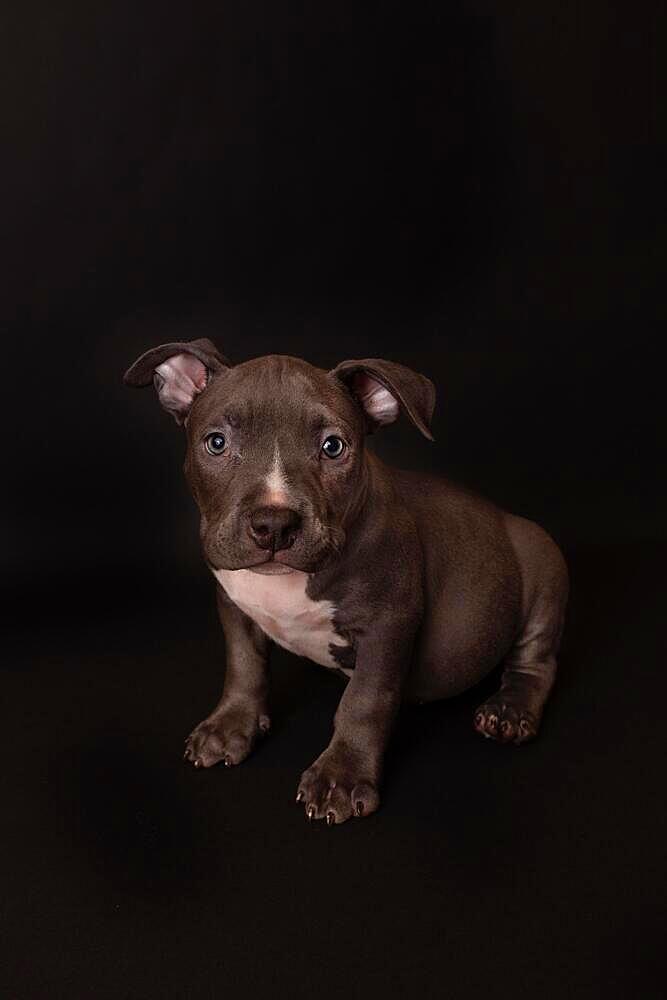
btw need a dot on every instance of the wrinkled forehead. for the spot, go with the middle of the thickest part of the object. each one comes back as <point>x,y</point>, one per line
<point>277,392</point>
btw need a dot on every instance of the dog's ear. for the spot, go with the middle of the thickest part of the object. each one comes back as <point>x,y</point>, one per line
<point>179,371</point>
<point>383,388</point>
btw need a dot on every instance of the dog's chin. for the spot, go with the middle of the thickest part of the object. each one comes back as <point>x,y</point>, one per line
<point>278,564</point>
<point>273,568</point>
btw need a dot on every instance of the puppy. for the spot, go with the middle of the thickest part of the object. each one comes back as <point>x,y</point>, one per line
<point>408,586</point>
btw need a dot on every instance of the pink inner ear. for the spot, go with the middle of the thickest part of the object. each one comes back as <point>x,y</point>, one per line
<point>376,400</point>
<point>190,367</point>
<point>180,379</point>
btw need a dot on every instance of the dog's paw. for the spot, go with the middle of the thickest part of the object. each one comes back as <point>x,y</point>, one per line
<point>228,737</point>
<point>337,787</point>
<point>506,721</point>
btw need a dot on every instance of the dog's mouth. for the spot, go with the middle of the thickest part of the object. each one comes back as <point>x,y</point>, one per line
<point>306,555</point>
<point>273,568</point>
<point>272,564</point>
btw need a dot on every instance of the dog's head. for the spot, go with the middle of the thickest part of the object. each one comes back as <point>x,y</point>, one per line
<point>275,446</point>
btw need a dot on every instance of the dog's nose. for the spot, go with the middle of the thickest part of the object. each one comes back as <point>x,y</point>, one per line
<point>274,527</point>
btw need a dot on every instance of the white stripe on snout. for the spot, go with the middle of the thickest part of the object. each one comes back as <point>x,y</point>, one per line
<point>276,484</point>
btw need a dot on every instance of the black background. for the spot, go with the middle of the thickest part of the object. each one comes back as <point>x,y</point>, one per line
<point>473,189</point>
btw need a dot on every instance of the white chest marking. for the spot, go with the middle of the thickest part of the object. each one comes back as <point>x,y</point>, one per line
<point>282,609</point>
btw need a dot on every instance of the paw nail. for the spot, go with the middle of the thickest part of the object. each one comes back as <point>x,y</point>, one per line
<point>300,796</point>
<point>330,819</point>
<point>359,809</point>
<point>310,813</point>
<point>524,729</point>
<point>228,761</point>
<point>197,762</point>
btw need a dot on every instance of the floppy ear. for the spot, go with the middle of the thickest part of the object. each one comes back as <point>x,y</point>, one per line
<point>179,371</point>
<point>383,388</point>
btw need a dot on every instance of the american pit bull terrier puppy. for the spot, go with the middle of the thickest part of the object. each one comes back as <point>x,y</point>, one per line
<point>409,586</point>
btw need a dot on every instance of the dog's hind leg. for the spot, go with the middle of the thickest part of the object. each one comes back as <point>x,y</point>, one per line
<point>513,714</point>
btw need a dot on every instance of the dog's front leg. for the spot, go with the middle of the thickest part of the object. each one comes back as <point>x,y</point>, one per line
<point>345,780</point>
<point>241,715</point>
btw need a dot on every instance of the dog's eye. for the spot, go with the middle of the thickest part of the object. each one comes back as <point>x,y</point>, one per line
<point>215,444</point>
<point>333,447</point>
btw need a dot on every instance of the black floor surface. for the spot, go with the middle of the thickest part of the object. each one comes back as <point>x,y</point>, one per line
<point>489,871</point>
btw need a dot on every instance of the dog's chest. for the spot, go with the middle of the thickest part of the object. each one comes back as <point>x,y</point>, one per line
<point>282,609</point>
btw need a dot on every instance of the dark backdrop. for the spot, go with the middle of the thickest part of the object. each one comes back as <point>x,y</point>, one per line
<point>474,189</point>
